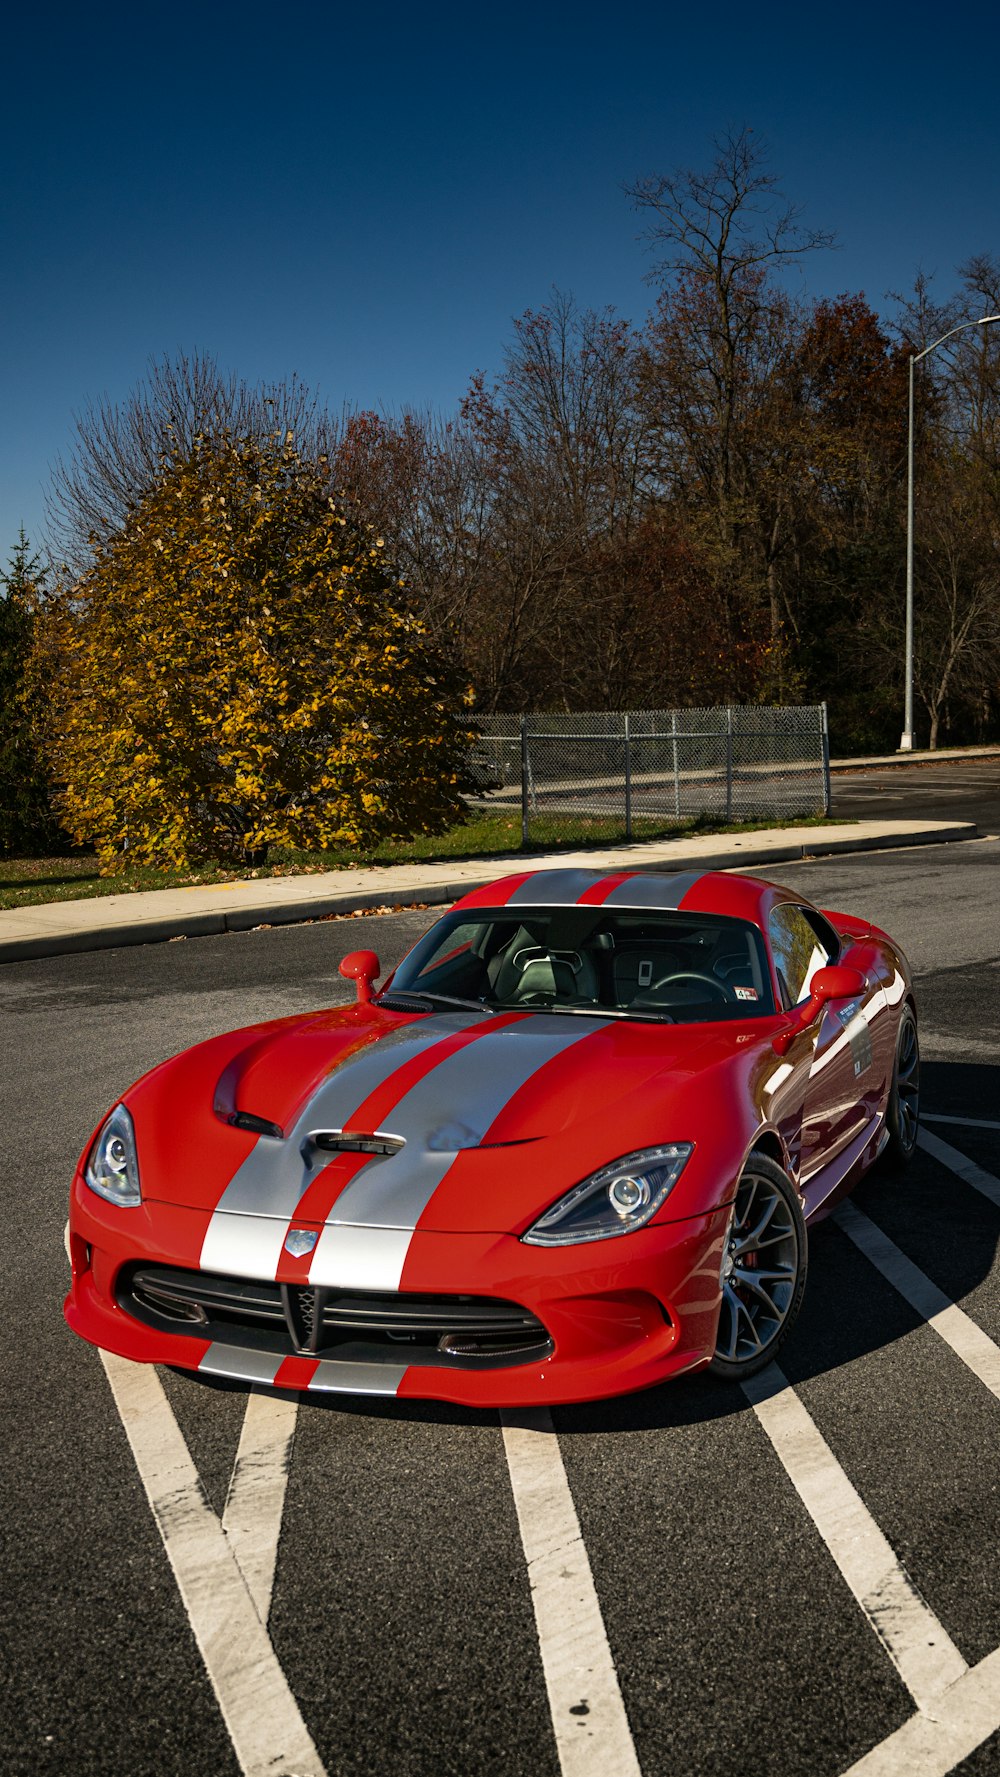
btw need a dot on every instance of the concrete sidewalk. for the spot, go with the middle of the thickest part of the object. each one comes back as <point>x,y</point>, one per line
<point>918,756</point>
<point>107,922</point>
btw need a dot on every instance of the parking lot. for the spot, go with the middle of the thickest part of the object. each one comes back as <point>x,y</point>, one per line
<point>799,1577</point>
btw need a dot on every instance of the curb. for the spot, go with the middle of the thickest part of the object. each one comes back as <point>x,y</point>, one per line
<point>245,919</point>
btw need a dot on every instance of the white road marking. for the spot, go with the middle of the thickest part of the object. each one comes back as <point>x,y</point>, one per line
<point>965,1122</point>
<point>965,1169</point>
<point>256,1498</point>
<point>932,1745</point>
<point>593,1738</point>
<point>967,1340</point>
<point>269,1737</point>
<point>924,1655</point>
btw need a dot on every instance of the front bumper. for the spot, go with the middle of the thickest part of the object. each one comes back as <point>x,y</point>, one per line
<point>621,1314</point>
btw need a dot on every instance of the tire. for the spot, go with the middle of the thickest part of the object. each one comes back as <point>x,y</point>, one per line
<point>902,1115</point>
<point>760,1302</point>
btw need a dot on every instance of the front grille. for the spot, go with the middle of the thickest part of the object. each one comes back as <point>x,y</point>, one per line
<point>458,1332</point>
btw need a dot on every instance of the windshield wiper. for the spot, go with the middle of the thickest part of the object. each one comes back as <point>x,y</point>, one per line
<point>408,997</point>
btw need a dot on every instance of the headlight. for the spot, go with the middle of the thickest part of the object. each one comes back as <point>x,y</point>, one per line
<point>620,1197</point>
<point>113,1170</point>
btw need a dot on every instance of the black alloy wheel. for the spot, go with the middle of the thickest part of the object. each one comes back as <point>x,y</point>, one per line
<point>902,1117</point>
<point>763,1270</point>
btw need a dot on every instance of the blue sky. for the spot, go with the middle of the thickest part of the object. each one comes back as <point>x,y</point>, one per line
<point>367,198</point>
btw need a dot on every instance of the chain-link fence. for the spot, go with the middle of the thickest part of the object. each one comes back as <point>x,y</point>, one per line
<point>637,773</point>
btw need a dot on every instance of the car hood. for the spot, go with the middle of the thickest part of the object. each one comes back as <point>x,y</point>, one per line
<point>486,1118</point>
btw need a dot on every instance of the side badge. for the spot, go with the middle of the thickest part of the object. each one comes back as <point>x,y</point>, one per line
<point>299,1241</point>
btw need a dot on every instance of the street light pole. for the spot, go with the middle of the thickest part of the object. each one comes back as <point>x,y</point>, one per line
<point>906,739</point>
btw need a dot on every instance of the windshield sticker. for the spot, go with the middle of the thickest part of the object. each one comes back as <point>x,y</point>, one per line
<point>746,993</point>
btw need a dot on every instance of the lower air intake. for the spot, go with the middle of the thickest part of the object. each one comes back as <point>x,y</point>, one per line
<point>460,1332</point>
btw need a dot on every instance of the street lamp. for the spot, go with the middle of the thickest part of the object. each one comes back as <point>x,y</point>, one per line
<point>906,740</point>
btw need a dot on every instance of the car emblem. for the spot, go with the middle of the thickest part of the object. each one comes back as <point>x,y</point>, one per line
<point>299,1241</point>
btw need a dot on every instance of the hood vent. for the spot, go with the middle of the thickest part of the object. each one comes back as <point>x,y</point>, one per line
<point>335,1141</point>
<point>255,1125</point>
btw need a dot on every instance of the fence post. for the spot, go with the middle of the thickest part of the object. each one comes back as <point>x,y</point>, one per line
<point>525,770</point>
<point>677,775</point>
<point>628,782</point>
<point>825,731</point>
<point>729,762</point>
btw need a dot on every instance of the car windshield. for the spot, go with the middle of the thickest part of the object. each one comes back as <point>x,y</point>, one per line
<point>685,968</point>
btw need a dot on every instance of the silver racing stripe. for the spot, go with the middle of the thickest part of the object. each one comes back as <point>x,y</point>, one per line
<point>446,1112</point>
<point>244,1366</point>
<point>244,1245</point>
<point>274,1175</point>
<point>357,1378</point>
<point>241,1365</point>
<point>665,891</point>
<point>555,888</point>
<point>360,1258</point>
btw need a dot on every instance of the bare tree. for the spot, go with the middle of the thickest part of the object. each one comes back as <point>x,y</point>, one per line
<point>719,354</point>
<point>570,388</point>
<point>957,647</point>
<point>120,449</point>
<point>957,507</point>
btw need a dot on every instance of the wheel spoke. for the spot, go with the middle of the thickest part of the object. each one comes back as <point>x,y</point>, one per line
<point>775,1240</point>
<point>783,1275</point>
<point>731,1302</point>
<point>743,1210</point>
<point>751,1324</point>
<point>749,1242</point>
<point>756,1296</point>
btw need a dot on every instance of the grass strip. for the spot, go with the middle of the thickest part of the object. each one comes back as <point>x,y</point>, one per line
<point>30,882</point>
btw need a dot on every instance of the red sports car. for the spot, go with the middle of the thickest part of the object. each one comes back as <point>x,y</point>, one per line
<point>571,1147</point>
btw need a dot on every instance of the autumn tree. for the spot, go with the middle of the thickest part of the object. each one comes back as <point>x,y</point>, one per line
<point>238,669</point>
<point>27,823</point>
<point>843,489</point>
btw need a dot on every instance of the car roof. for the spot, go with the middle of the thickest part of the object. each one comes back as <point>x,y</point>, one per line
<point>688,891</point>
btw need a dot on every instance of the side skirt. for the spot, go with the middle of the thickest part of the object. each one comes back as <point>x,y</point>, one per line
<point>826,1188</point>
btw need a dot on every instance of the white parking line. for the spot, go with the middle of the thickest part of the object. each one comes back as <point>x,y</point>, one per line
<point>593,1738</point>
<point>967,1340</point>
<point>964,1122</point>
<point>965,1169</point>
<point>932,1745</point>
<point>923,1653</point>
<point>256,1498</point>
<point>269,1737</point>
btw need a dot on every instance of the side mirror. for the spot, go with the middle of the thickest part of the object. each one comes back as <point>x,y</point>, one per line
<point>361,967</point>
<point>838,981</point>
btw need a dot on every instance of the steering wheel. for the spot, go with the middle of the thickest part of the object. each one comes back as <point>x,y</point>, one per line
<point>702,980</point>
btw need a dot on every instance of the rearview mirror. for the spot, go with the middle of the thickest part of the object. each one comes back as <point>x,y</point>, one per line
<point>363,968</point>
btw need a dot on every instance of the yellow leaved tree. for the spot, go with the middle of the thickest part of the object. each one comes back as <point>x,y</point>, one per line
<point>237,669</point>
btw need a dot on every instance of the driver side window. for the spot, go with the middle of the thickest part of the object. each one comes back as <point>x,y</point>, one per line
<point>798,952</point>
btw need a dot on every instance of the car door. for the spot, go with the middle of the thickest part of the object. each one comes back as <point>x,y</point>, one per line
<point>837,1100</point>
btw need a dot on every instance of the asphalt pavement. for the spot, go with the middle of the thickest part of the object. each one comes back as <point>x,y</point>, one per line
<point>402,1611</point>
<point>952,789</point>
